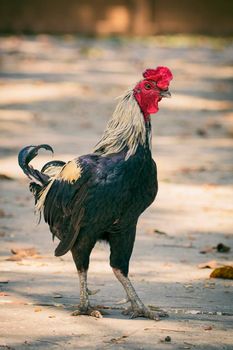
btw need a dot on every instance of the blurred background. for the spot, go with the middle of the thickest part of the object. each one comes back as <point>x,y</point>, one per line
<point>62,65</point>
<point>101,17</point>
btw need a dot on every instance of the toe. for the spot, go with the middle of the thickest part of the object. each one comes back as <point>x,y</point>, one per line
<point>158,311</point>
<point>134,313</point>
<point>87,311</point>
<point>163,314</point>
<point>96,313</point>
<point>76,313</point>
<point>153,316</point>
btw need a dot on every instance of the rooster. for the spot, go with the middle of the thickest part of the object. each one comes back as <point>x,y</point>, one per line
<point>100,196</point>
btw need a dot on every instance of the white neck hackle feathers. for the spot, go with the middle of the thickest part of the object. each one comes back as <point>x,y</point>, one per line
<point>126,128</point>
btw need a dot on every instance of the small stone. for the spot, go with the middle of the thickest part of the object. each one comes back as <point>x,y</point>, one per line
<point>167,339</point>
<point>222,248</point>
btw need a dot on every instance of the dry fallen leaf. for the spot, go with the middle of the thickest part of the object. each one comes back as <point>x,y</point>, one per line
<point>37,309</point>
<point>225,272</point>
<point>20,253</point>
<point>24,252</point>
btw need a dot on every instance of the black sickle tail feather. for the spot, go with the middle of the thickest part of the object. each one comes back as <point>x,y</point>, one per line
<point>24,158</point>
<point>52,167</point>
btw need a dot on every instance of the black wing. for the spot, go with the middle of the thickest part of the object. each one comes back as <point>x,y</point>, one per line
<point>85,193</point>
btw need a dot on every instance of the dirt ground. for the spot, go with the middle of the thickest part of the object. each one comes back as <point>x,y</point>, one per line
<point>61,91</point>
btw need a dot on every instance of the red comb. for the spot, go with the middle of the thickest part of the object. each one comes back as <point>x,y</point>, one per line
<point>161,75</point>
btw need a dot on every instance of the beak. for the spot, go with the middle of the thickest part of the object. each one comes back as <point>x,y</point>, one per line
<point>165,93</point>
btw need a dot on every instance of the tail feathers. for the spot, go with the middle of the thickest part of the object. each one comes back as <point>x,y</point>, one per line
<point>24,158</point>
<point>53,167</point>
<point>35,189</point>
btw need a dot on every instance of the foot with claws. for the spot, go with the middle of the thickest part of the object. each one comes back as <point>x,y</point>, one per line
<point>135,312</point>
<point>84,308</point>
<point>137,308</point>
<point>89,311</point>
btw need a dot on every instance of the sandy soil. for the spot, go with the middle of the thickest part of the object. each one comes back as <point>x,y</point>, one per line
<point>62,91</point>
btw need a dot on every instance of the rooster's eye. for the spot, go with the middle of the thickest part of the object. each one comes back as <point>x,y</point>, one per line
<point>147,86</point>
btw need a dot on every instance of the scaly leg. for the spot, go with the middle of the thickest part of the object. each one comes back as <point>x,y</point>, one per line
<point>81,252</point>
<point>84,307</point>
<point>137,309</point>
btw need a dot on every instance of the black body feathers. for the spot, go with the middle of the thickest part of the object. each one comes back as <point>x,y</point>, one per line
<point>94,197</point>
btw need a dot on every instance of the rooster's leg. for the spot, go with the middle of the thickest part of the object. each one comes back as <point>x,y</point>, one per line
<point>119,261</point>
<point>81,252</point>
<point>137,308</point>
<point>84,307</point>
